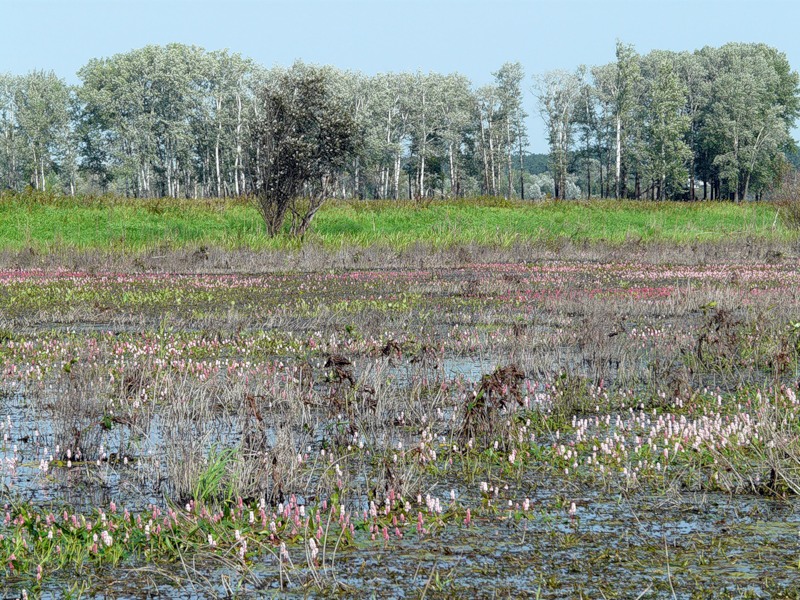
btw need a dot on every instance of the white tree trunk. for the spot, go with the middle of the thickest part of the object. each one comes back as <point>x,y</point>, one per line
<point>396,190</point>
<point>509,148</point>
<point>421,188</point>
<point>493,179</point>
<point>452,169</point>
<point>618,171</point>
<point>216,163</point>
<point>237,169</point>
<point>486,177</point>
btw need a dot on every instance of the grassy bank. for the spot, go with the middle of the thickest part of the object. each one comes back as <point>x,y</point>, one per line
<point>50,223</point>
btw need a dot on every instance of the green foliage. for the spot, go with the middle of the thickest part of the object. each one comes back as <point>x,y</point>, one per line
<point>535,164</point>
<point>304,135</point>
<point>50,224</point>
<point>179,121</point>
<point>665,126</point>
<point>211,486</point>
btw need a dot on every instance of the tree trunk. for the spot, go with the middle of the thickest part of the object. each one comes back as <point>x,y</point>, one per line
<point>484,151</point>
<point>493,180</point>
<point>356,179</point>
<point>600,162</point>
<point>35,170</point>
<point>216,163</point>
<point>521,168</point>
<point>423,149</point>
<point>509,147</point>
<point>396,192</point>
<point>609,165</point>
<point>746,187</point>
<point>618,171</point>
<point>237,164</point>
<point>736,162</point>
<point>452,168</point>
<point>421,188</point>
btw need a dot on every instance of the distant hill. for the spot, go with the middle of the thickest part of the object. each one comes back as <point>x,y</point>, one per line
<point>535,163</point>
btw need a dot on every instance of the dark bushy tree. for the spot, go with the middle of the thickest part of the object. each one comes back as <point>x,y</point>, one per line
<point>304,136</point>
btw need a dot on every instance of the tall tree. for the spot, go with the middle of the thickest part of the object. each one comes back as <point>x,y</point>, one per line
<point>588,122</point>
<point>220,117</point>
<point>603,86</point>
<point>509,86</point>
<point>9,144</point>
<point>625,101</point>
<point>428,108</point>
<point>756,102</point>
<point>618,87</point>
<point>487,104</point>
<point>559,94</point>
<point>665,128</point>
<point>455,129</point>
<point>695,81</point>
<point>42,103</point>
<point>387,130</point>
<point>144,101</point>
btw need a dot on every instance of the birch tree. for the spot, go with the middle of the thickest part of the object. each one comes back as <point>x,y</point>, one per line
<point>224,78</point>
<point>427,107</point>
<point>387,131</point>
<point>143,101</point>
<point>456,122</point>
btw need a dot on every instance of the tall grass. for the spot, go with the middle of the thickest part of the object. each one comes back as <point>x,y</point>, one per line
<point>49,223</point>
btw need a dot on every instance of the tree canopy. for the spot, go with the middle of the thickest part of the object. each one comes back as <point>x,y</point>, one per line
<point>303,135</point>
<point>178,120</point>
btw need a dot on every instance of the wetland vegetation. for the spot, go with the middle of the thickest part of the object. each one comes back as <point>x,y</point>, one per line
<point>272,332</point>
<point>556,419</point>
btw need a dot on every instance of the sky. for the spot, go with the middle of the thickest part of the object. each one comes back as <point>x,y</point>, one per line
<point>472,37</point>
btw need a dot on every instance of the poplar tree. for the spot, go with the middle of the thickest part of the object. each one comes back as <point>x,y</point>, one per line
<point>42,111</point>
<point>9,144</point>
<point>509,86</point>
<point>755,102</point>
<point>665,129</point>
<point>559,93</point>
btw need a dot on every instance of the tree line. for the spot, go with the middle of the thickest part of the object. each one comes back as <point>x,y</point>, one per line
<point>714,123</point>
<point>178,120</point>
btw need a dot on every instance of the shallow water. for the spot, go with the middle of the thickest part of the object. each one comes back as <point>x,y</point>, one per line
<point>621,543</point>
<point>614,549</point>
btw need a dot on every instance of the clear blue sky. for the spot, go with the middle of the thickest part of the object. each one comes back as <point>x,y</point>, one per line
<point>473,37</point>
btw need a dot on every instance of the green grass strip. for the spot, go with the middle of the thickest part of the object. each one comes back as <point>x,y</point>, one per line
<point>49,223</point>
